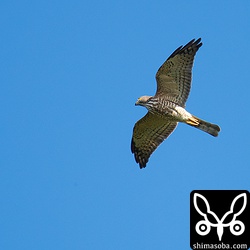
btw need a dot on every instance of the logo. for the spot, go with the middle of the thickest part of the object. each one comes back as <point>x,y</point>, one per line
<point>220,218</point>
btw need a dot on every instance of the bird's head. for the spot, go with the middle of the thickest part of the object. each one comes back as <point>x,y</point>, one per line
<point>143,100</point>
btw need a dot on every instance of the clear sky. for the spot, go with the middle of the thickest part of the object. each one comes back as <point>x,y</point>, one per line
<point>71,72</point>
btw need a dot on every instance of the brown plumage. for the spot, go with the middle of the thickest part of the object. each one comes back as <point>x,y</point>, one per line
<point>166,108</point>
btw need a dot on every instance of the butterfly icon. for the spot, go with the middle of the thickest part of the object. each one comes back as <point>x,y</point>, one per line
<point>203,227</point>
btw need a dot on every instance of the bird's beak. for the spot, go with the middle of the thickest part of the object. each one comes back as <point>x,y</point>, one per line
<point>136,102</point>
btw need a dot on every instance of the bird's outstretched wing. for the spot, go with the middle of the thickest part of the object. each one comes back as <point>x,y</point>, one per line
<point>148,133</point>
<point>175,75</point>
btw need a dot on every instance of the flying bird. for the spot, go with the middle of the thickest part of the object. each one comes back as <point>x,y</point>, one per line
<point>167,107</point>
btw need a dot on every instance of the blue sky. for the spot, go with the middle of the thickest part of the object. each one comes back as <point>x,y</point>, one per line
<point>71,73</point>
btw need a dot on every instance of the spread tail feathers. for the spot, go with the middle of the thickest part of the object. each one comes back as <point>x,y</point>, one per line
<point>207,127</point>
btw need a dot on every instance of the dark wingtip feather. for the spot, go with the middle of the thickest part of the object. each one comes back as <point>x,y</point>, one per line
<point>138,158</point>
<point>142,163</point>
<point>181,49</point>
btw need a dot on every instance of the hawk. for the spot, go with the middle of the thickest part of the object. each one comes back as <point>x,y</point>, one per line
<point>167,107</point>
